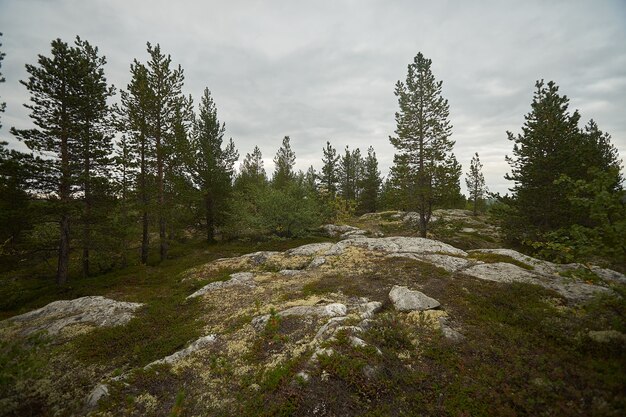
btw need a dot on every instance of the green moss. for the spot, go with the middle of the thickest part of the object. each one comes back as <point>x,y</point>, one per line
<point>496,257</point>
<point>582,274</point>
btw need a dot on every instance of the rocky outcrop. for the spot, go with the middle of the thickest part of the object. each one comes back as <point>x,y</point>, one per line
<point>334,230</point>
<point>404,299</point>
<point>311,249</point>
<point>198,344</point>
<point>237,279</point>
<point>396,244</point>
<point>93,310</point>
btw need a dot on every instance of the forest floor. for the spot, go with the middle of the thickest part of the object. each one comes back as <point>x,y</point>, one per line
<point>302,336</point>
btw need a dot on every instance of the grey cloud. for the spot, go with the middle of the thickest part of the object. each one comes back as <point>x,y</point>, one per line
<point>325,70</point>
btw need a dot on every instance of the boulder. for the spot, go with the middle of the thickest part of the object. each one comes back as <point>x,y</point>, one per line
<point>329,310</point>
<point>316,262</point>
<point>334,230</point>
<point>310,249</point>
<point>404,299</point>
<point>95,310</point>
<point>176,356</point>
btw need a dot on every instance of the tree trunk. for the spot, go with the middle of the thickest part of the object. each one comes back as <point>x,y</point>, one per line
<point>86,238</point>
<point>144,201</point>
<point>64,250</point>
<point>210,218</point>
<point>87,213</point>
<point>64,197</point>
<point>162,223</point>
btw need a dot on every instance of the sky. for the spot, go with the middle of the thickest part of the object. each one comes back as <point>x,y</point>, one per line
<point>325,70</point>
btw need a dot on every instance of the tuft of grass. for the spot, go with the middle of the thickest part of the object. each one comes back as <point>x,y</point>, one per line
<point>496,257</point>
<point>582,274</point>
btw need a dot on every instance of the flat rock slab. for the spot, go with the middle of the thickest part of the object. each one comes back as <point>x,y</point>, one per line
<point>501,272</point>
<point>95,310</point>
<point>508,273</point>
<point>236,279</point>
<point>310,249</point>
<point>329,310</point>
<point>448,262</point>
<point>404,299</point>
<point>396,244</point>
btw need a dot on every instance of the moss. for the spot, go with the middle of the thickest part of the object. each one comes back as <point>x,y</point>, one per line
<point>582,274</point>
<point>496,257</point>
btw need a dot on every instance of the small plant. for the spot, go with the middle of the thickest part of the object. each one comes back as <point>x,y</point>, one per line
<point>583,274</point>
<point>177,410</point>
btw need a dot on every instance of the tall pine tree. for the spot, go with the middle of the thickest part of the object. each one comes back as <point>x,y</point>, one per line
<point>423,140</point>
<point>165,84</point>
<point>134,120</point>
<point>62,87</point>
<point>212,166</point>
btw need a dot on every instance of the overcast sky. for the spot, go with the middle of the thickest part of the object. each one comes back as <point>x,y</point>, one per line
<point>325,70</point>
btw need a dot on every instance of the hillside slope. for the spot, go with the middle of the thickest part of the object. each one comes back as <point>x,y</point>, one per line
<point>364,325</point>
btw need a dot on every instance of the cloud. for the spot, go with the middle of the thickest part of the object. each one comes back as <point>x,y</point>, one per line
<point>326,70</point>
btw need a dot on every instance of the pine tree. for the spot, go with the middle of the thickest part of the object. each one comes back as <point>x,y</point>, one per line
<point>370,183</point>
<point>95,140</point>
<point>134,119</point>
<point>165,84</point>
<point>62,87</point>
<point>329,177</point>
<point>212,166</point>
<point>2,79</point>
<point>550,147</point>
<point>252,171</point>
<point>423,139</point>
<point>284,162</point>
<point>475,182</point>
<point>350,170</point>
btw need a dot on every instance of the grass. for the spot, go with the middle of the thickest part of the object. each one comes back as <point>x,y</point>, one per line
<point>496,257</point>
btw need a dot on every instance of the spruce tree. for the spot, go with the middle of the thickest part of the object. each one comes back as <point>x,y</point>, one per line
<point>212,167</point>
<point>475,181</point>
<point>284,162</point>
<point>329,176</point>
<point>370,183</point>
<point>423,140</point>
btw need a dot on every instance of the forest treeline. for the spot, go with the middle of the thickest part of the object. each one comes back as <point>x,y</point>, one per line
<point>113,177</point>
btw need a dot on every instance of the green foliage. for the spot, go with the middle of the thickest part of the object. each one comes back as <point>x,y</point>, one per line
<point>475,181</point>
<point>211,165</point>
<point>284,162</point>
<point>370,184</point>
<point>329,175</point>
